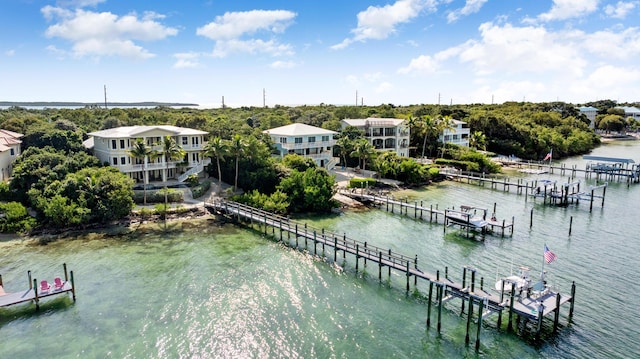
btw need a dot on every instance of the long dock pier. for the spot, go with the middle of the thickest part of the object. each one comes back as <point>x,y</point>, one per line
<point>36,293</point>
<point>530,307</point>
<point>422,212</point>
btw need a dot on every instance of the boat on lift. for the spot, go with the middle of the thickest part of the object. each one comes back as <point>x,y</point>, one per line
<point>467,216</point>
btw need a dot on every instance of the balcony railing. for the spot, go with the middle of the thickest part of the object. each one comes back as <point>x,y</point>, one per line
<point>293,146</point>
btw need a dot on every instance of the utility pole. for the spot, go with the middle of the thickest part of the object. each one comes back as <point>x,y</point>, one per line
<point>264,98</point>
<point>356,98</point>
<point>105,97</point>
<point>223,106</point>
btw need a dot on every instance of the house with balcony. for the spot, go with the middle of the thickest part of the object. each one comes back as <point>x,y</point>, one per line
<point>385,134</point>
<point>630,111</point>
<point>9,150</point>
<point>458,134</point>
<point>308,141</point>
<point>112,146</point>
<point>590,113</point>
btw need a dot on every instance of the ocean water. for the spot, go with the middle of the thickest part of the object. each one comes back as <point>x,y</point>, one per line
<point>204,290</point>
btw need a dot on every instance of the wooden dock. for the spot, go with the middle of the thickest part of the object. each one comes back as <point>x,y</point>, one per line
<point>430,213</point>
<point>34,292</point>
<point>527,307</point>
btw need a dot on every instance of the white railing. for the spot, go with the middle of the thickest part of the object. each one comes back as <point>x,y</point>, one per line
<point>332,163</point>
<point>293,146</point>
<point>199,167</point>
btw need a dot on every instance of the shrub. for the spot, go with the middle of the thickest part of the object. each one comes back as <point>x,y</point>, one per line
<point>15,218</point>
<point>192,180</point>
<point>173,195</point>
<point>199,190</point>
<point>362,182</point>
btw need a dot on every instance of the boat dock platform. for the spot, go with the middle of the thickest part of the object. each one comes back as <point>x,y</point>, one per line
<point>525,306</point>
<point>37,292</point>
<point>422,212</point>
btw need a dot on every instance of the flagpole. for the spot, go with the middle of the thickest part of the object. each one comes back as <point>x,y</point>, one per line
<point>543,260</point>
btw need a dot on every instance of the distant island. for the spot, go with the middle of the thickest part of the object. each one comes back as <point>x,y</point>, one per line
<point>94,104</point>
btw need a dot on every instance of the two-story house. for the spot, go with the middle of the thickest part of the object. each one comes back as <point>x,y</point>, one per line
<point>305,140</point>
<point>590,113</point>
<point>458,134</point>
<point>385,134</point>
<point>9,151</point>
<point>113,146</point>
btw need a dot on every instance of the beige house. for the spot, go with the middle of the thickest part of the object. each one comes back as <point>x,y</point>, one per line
<point>9,151</point>
<point>385,134</point>
<point>308,141</point>
<point>113,145</point>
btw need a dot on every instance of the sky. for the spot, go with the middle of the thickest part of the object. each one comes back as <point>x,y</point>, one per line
<point>304,52</point>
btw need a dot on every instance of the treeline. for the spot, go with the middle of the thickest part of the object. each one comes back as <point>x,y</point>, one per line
<point>57,178</point>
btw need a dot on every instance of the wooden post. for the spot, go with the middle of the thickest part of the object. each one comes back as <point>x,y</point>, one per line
<point>357,256</point>
<point>464,283</point>
<point>66,277</point>
<point>429,302</point>
<point>415,210</point>
<point>501,300</point>
<point>466,336</point>
<point>421,208</point>
<point>389,267</point>
<point>73,287</point>
<point>540,317</point>
<point>35,291</point>
<point>315,242</point>
<point>415,277</point>
<point>1,280</point>
<point>440,295</point>
<point>570,224</point>
<point>365,257</point>
<point>473,280</point>
<point>479,324</point>
<point>573,299</point>
<point>408,276</point>
<point>30,281</point>
<point>513,294</point>
<point>380,266</point>
<point>557,313</point>
<point>335,249</point>
<point>531,219</point>
<point>280,224</point>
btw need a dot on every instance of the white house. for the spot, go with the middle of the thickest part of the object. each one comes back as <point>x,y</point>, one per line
<point>385,134</point>
<point>9,151</point>
<point>113,145</point>
<point>630,111</point>
<point>305,140</point>
<point>590,113</point>
<point>457,135</point>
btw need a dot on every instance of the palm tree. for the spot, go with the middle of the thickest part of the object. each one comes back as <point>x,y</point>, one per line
<point>170,151</point>
<point>478,140</point>
<point>237,149</point>
<point>216,147</point>
<point>444,123</point>
<point>429,126</point>
<point>344,144</point>
<point>140,151</point>
<point>363,150</point>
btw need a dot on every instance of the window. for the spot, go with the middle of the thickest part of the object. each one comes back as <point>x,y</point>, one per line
<point>185,141</point>
<point>195,141</point>
<point>122,144</point>
<point>298,139</point>
<point>312,139</point>
<point>115,161</point>
<point>283,140</point>
<point>123,160</point>
<point>390,131</point>
<point>114,144</point>
<point>13,152</point>
<point>325,138</point>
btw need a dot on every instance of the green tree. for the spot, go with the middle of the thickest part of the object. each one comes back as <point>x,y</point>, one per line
<point>478,140</point>
<point>217,147</point>
<point>344,146</point>
<point>170,152</point>
<point>140,151</point>
<point>309,191</point>
<point>297,162</point>
<point>363,150</point>
<point>237,148</point>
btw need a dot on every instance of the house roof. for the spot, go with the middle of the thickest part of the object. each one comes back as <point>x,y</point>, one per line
<point>8,139</point>
<point>629,109</point>
<point>587,108</point>
<point>135,131</point>
<point>372,121</point>
<point>298,129</point>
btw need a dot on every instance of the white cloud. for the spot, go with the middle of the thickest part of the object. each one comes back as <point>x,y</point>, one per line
<point>472,6</point>
<point>378,23</point>
<point>567,9</point>
<point>283,64</point>
<point>608,44</point>
<point>227,31</point>
<point>384,87</point>
<point>106,34</point>
<point>187,60</point>
<point>424,64</point>
<point>78,3</point>
<point>10,53</point>
<point>621,9</point>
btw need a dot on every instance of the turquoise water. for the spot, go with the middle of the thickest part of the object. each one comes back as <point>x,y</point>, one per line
<point>214,292</point>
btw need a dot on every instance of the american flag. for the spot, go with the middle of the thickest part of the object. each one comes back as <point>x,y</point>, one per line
<point>548,156</point>
<point>549,256</point>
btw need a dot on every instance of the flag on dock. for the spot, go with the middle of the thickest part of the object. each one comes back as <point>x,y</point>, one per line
<point>548,156</point>
<point>549,256</point>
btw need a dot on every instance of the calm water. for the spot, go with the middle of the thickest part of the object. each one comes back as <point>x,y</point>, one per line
<point>228,292</point>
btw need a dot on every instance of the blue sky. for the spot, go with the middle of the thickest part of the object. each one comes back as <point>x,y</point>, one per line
<point>311,52</point>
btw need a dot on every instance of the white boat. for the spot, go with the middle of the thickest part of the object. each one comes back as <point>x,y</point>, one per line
<point>466,217</point>
<point>523,284</point>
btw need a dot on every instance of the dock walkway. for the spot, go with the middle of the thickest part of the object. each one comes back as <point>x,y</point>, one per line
<point>34,293</point>
<point>530,307</point>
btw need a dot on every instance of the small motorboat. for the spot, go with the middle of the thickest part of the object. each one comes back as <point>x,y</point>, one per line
<point>466,217</point>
